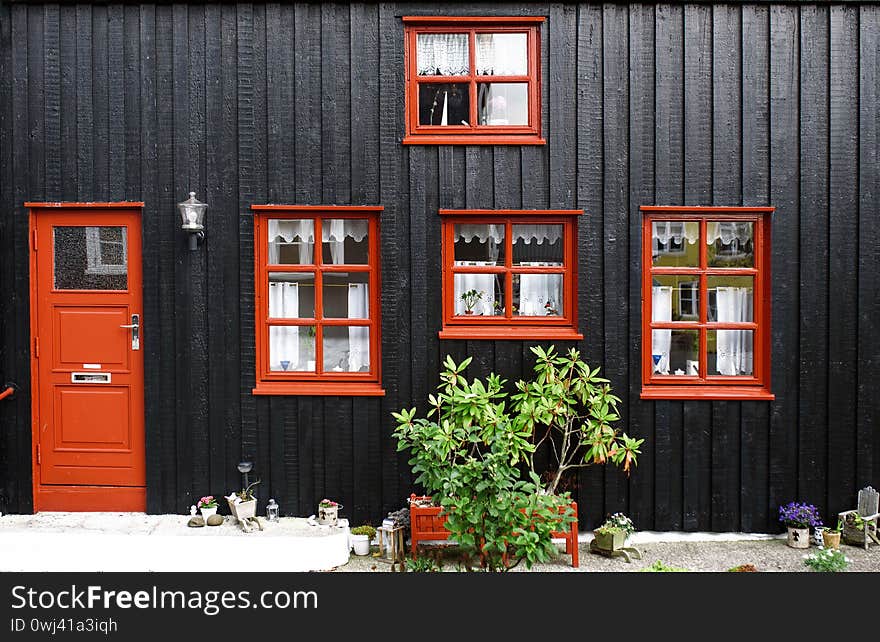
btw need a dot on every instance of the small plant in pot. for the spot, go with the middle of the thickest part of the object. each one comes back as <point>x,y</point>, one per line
<point>831,535</point>
<point>614,532</point>
<point>207,506</point>
<point>798,518</point>
<point>470,298</point>
<point>243,504</point>
<point>361,536</point>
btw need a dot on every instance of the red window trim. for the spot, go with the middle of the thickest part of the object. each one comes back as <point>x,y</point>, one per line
<point>417,134</point>
<point>709,386</point>
<point>269,382</point>
<point>563,327</point>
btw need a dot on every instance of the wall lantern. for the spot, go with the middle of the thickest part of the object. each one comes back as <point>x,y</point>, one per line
<point>193,214</point>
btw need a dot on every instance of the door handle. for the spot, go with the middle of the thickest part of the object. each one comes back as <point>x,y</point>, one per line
<point>135,327</point>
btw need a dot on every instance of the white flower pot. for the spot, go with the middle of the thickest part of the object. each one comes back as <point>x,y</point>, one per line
<point>361,544</point>
<point>207,511</point>
<point>798,537</point>
<point>328,515</point>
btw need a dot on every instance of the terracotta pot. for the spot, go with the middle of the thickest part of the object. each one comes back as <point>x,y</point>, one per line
<point>831,539</point>
<point>798,537</point>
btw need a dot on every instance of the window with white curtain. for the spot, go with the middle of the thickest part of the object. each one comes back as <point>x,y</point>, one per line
<point>473,81</point>
<point>317,300</point>
<point>707,316</point>
<point>509,273</point>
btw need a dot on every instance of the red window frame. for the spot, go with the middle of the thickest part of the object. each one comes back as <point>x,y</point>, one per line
<point>706,386</point>
<point>417,134</point>
<point>271,382</point>
<point>563,327</point>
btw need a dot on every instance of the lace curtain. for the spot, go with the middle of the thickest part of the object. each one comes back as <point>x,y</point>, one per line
<point>526,233</point>
<point>484,283</point>
<point>442,54</point>
<point>727,231</point>
<point>302,232</point>
<point>734,347</point>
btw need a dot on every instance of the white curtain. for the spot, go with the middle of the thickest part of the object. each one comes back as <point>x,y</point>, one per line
<point>283,340</point>
<point>734,347</point>
<point>727,231</point>
<point>526,233</point>
<point>661,340</point>
<point>535,290</point>
<point>444,54</point>
<point>502,54</point>
<point>302,231</point>
<point>484,283</point>
<point>358,337</point>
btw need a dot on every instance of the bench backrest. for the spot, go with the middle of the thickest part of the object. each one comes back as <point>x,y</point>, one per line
<point>869,502</point>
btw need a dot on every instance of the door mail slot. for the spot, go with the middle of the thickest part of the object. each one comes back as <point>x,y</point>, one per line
<point>89,377</point>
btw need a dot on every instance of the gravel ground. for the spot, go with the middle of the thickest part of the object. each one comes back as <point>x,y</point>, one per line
<point>770,555</point>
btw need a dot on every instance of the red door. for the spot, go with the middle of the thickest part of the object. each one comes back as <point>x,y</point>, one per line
<point>87,357</point>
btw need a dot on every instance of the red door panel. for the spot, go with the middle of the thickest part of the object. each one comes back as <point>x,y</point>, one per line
<point>88,369</point>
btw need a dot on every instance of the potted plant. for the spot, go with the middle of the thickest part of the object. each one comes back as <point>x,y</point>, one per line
<point>243,504</point>
<point>798,517</point>
<point>361,536</point>
<point>207,507</point>
<point>328,512</point>
<point>614,533</point>
<point>831,535</point>
<point>470,299</point>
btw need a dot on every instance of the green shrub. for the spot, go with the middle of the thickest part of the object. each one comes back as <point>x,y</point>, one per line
<point>827,560</point>
<point>660,567</point>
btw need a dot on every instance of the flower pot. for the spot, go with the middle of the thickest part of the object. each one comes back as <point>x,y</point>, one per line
<point>610,541</point>
<point>831,539</point>
<point>328,515</point>
<point>207,511</point>
<point>798,537</point>
<point>361,544</point>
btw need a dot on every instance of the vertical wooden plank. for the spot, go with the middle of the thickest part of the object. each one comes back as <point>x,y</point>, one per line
<point>639,420</point>
<point>306,482</point>
<point>84,105</point>
<point>697,191</point>
<point>290,498</point>
<point>590,175</point>
<point>9,500</point>
<point>52,79</point>
<point>848,468</point>
<point>784,119</point>
<point>114,99</point>
<point>101,102</point>
<point>132,102</point>
<point>813,256</point>
<point>307,110</point>
<point>276,103</point>
<point>615,33</point>
<point>327,55</point>
<point>164,325</point>
<point>755,191</point>
<point>726,190</point>
<point>68,90</point>
<point>668,190</point>
<point>562,134</point>
<point>364,83</point>
<point>272,485</point>
<point>868,435</point>
<point>420,291</point>
<point>36,179</point>
<point>394,246</point>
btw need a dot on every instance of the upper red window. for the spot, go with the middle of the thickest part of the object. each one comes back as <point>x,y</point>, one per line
<point>317,300</point>
<point>510,274</point>
<point>472,80</point>
<point>706,303</point>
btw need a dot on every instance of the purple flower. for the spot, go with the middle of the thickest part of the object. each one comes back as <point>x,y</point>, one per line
<point>799,515</point>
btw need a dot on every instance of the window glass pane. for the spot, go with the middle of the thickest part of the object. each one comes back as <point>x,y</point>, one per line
<point>90,258</point>
<point>537,245</point>
<point>345,241</point>
<point>503,103</point>
<point>291,242</point>
<point>731,298</point>
<point>291,295</point>
<point>502,54</point>
<point>479,244</point>
<point>729,352</point>
<point>477,294</point>
<point>444,104</point>
<point>730,244</point>
<point>292,348</point>
<point>675,352</point>
<point>442,54</point>
<point>346,349</point>
<point>675,243</point>
<point>675,298</point>
<point>537,295</point>
<point>346,295</point>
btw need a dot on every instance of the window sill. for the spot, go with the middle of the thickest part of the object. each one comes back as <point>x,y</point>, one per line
<point>473,139</point>
<point>704,392</point>
<point>320,389</point>
<point>507,332</point>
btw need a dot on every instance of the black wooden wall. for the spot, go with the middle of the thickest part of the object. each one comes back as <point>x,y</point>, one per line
<point>696,104</point>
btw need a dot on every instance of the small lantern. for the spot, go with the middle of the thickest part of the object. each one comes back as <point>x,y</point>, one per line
<point>272,511</point>
<point>193,214</point>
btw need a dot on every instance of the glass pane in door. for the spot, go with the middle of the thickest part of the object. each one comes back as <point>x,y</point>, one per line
<point>90,258</point>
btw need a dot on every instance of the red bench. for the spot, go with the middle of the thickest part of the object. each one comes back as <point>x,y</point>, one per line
<point>427,524</point>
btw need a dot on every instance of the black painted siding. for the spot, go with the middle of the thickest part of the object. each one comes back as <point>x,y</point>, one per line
<point>696,104</point>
